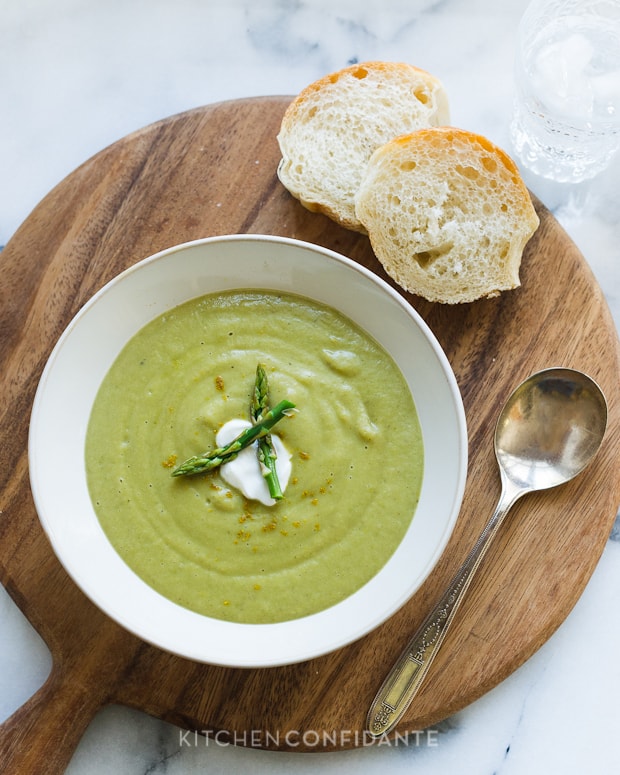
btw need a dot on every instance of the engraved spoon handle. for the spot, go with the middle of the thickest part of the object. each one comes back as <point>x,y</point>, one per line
<point>404,679</point>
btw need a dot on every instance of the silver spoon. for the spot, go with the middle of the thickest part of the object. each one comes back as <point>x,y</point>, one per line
<point>547,433</point>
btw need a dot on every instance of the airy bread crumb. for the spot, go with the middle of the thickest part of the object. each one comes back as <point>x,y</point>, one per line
<point>447,214</point>
<point>331,129</point>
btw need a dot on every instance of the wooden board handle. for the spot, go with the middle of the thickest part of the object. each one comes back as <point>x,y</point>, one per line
<point>41,736</point>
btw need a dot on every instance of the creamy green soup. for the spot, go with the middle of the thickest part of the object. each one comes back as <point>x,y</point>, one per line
<point>355,442</point>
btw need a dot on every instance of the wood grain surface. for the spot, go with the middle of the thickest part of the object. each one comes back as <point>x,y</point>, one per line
<point>212,171</point>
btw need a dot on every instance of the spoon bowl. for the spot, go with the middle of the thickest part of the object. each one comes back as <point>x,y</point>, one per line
<point>548,431</point>
<point>550,428</point>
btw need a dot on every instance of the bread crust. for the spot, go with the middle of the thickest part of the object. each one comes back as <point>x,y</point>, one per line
<point>447,213</point>
<point>330,130</point>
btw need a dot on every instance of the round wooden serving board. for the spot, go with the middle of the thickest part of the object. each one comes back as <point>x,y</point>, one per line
<point>213,171</point>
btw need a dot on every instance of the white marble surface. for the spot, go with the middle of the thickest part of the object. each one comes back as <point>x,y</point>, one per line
<point>75,75</point>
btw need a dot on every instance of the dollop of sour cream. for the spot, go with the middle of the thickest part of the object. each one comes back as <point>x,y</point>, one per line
<point>244,473</point>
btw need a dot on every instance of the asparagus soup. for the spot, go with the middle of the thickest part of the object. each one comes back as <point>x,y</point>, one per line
<point>353,442</point>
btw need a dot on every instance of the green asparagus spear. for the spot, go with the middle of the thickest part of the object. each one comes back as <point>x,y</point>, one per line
<point>266,451</point>
<point>200,464</point>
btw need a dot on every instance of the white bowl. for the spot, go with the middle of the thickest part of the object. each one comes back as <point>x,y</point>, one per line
<point>87,349</point>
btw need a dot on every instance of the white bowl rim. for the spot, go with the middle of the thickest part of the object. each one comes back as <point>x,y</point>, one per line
<point>157,620</point>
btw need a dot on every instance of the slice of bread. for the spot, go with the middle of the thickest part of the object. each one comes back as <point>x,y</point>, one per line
<point>330,130</point>
<point>447,214</point>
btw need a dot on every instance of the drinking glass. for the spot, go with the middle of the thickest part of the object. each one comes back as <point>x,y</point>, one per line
<point>566,119</point>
